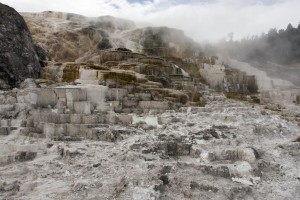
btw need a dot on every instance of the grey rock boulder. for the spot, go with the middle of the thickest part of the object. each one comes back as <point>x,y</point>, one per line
<point>18,58</point>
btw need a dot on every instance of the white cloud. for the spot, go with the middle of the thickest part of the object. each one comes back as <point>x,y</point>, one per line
<point>200,19</point>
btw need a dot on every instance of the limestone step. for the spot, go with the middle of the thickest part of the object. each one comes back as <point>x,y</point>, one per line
<point>19,153</point>
<point>67,138</point>
<point>160,105</point>
<point>196,109</point>
<point>62,130</point>
<point>6,108</point>
<point>20,156</point>
<point>78,130</point>
<point>90,82</point>
<point>92,119</point>
<point>36,135</point>
<point>27,131</point>
<point>105,106</point>
<point>4,123</point>
<point>215,98</point>
<point>65,119</point>
<point>143,96</point>
<point>238,109</point>
<point>116,94</point>
<point>83,119</point>
<point>107,133</point>
<point>83,107</point>
<point>12,123</point>
<point>71,93</point>
<point>86,119</point>
<point>130,103</point>
<point>45,117</point>
<point>4,130</point>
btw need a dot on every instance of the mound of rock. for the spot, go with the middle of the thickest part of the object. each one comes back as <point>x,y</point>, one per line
<point>18,58</point>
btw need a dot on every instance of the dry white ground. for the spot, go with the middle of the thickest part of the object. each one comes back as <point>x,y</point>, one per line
<point>226,150</point>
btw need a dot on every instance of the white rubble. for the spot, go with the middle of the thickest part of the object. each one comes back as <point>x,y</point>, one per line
<point>80,148</point>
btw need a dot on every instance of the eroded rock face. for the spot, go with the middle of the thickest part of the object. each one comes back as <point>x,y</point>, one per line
<point>18,59</point>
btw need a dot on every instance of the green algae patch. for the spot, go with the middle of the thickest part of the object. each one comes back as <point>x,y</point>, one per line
<point>71,72</point>
<point>150,85</point>
<point>194,96</point>
<point>196,104</point>
<point>170,95</point>
<point>236,96</point>
<point>129,66</point>
<point>96,67</point>
<point>151,60</point>
<point>180,97</point>
<point>111,64</point>
<point>159,93</point>
<point>142,80</point>
<point>46,74</point>
<point>255,99</point>
<point>121,78</point>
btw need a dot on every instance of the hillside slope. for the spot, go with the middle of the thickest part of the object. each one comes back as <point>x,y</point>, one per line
<point>68,37</point>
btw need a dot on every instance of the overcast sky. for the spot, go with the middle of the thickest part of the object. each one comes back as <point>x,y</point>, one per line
<point>200,19</point>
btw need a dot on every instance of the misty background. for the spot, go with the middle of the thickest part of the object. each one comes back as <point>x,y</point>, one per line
<point>262,33</point>
<point>202,20</point>
<point>276,52</point>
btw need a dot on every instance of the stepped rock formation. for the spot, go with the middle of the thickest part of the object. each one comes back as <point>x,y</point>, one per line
<point>75,38</point>
<point>18,59</point>
<point>116,117</point>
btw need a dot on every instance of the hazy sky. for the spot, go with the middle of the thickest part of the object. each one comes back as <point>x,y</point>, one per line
<point>200,19</point>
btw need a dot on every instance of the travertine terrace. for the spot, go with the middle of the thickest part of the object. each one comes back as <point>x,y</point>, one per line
<point>112,116</point>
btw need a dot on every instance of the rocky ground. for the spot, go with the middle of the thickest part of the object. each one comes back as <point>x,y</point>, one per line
<point>225,150</point>
<point>128,119</point>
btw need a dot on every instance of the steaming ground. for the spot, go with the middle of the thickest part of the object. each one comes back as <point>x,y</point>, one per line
<point>269,75</point>
<point>286,72</point>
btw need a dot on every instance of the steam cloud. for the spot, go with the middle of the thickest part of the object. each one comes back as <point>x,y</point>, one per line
<point>203,20</point>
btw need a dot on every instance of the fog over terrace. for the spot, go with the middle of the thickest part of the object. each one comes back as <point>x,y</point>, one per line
<point>202,20</point>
